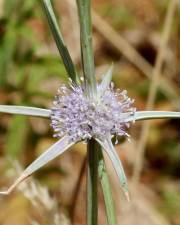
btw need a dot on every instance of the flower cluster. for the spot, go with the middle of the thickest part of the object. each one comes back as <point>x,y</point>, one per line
<point>80,118</point>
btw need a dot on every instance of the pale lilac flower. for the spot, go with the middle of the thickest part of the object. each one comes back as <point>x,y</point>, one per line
<point>75,117</point>
<point>80,118</point>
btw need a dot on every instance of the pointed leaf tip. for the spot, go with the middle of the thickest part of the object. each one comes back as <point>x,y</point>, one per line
<point>58,148</point>
<point>106,81</point>
<point>11,188</point>
<point>127,196</point>
<point>111,152</point>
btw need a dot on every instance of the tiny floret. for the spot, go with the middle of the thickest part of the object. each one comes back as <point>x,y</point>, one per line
<point>80,118</point>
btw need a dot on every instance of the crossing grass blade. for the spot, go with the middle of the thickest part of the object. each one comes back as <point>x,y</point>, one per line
<point>68,63</point>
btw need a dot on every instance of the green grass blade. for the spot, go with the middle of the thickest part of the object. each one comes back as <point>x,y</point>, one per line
<point>68,63</point>
<point>92,181</point>
<point>25,110</point>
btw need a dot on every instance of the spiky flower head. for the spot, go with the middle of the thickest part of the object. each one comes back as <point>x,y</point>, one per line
<point>76,117</point>
<point>80,118</point>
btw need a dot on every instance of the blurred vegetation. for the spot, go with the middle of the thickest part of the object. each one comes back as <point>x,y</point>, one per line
<point>30,74</point>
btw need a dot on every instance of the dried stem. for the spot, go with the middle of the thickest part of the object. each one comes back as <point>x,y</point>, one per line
<point>124,47</point>
<point>152,92</point>
<point>46,207</point>
<point>77,190</point>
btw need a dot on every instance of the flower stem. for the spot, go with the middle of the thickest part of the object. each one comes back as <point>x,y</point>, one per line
<point>84,10</point>
<point>92,177</point>
<point>106,188</point>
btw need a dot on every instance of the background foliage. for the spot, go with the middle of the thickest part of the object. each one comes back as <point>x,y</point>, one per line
<point>30,74</point>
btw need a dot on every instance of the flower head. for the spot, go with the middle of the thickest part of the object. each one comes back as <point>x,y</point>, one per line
<point>81,118</point>
<point>76,117</point>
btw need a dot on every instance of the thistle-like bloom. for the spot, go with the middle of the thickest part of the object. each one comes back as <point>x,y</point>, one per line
<point>78,117</point>
<point>75,118</point>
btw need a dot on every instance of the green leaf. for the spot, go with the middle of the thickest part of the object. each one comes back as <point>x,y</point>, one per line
<point>68,63</point>
<point>25,110</point>
<point>55,150</point>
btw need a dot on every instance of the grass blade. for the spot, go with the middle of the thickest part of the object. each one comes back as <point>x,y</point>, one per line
<point>92,177</point>
<point>68,63</point>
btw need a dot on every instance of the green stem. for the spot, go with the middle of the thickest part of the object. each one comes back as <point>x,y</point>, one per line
<point>92,184</point>
<point>91,92</point>
<point>84,7</point>
<point>106,188</point>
